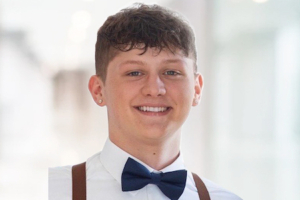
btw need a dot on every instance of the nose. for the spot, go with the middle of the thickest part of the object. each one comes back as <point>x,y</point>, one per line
<point>154,86</point>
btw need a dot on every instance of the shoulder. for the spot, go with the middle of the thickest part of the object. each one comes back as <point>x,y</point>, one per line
<point>216,192</point>
<point>60,183</point>
<point>62,172</point>
<point>60,178</point>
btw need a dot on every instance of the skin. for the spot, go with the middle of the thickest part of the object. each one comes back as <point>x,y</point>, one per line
<point>153,79</point>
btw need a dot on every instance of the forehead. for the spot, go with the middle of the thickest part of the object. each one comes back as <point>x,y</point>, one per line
<point>152,56</point>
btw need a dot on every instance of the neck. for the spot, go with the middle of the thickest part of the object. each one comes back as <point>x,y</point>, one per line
<point>156,154</point>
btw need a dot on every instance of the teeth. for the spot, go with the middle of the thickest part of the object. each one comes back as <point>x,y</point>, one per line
<point>152,109</point>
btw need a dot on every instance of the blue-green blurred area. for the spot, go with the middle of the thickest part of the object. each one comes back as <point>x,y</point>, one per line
<point>245,135</point>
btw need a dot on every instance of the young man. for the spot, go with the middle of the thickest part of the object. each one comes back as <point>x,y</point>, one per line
<point>146,77</point>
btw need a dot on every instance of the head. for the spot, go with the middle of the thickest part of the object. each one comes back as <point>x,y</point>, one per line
<point>145,65</point>
<point>142,27</point>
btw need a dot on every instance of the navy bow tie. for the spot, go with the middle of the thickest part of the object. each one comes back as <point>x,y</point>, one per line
<point>135,176</point>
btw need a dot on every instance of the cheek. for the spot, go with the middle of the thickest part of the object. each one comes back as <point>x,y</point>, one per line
<point>184,90</point>
<point>119,96</point>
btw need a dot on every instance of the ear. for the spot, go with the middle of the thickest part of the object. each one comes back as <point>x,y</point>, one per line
<point>96,86</point>
<point>198,89</point>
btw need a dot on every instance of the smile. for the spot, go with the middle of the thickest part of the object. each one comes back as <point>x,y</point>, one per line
<point>152,109</point>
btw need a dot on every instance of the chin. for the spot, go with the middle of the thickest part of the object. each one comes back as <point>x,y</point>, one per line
<point>158,135</point>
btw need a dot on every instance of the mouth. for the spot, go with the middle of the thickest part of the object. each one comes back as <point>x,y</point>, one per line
<point>150,109</point>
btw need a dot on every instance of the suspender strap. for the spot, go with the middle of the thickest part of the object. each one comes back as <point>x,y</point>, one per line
<point>202,190</point>
<point>79,184</point>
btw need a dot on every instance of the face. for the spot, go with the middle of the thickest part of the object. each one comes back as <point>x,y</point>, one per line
<point>149,96</point>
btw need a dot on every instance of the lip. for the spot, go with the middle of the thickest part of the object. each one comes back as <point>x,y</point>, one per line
<point>150,113</point>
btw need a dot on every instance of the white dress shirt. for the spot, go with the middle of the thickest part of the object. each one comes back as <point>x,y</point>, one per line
<point>103,175</point>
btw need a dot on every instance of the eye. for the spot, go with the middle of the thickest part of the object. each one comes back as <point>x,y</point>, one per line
<point>171,73</point>
<point>134,73</point>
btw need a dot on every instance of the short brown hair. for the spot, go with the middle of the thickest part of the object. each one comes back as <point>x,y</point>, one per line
<point>150,25</point>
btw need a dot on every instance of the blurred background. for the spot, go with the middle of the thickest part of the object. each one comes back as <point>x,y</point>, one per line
<point>244,135</point>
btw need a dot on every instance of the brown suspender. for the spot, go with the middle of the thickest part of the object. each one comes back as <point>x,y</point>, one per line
<point>202,190</point>
<point>79,184</point>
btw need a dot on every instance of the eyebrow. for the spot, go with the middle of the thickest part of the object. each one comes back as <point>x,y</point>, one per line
<point>136,62</point>
<point>139,62</point>
<point>170,61</point>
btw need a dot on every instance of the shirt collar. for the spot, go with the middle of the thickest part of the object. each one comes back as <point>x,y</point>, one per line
<point>113,160</point>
